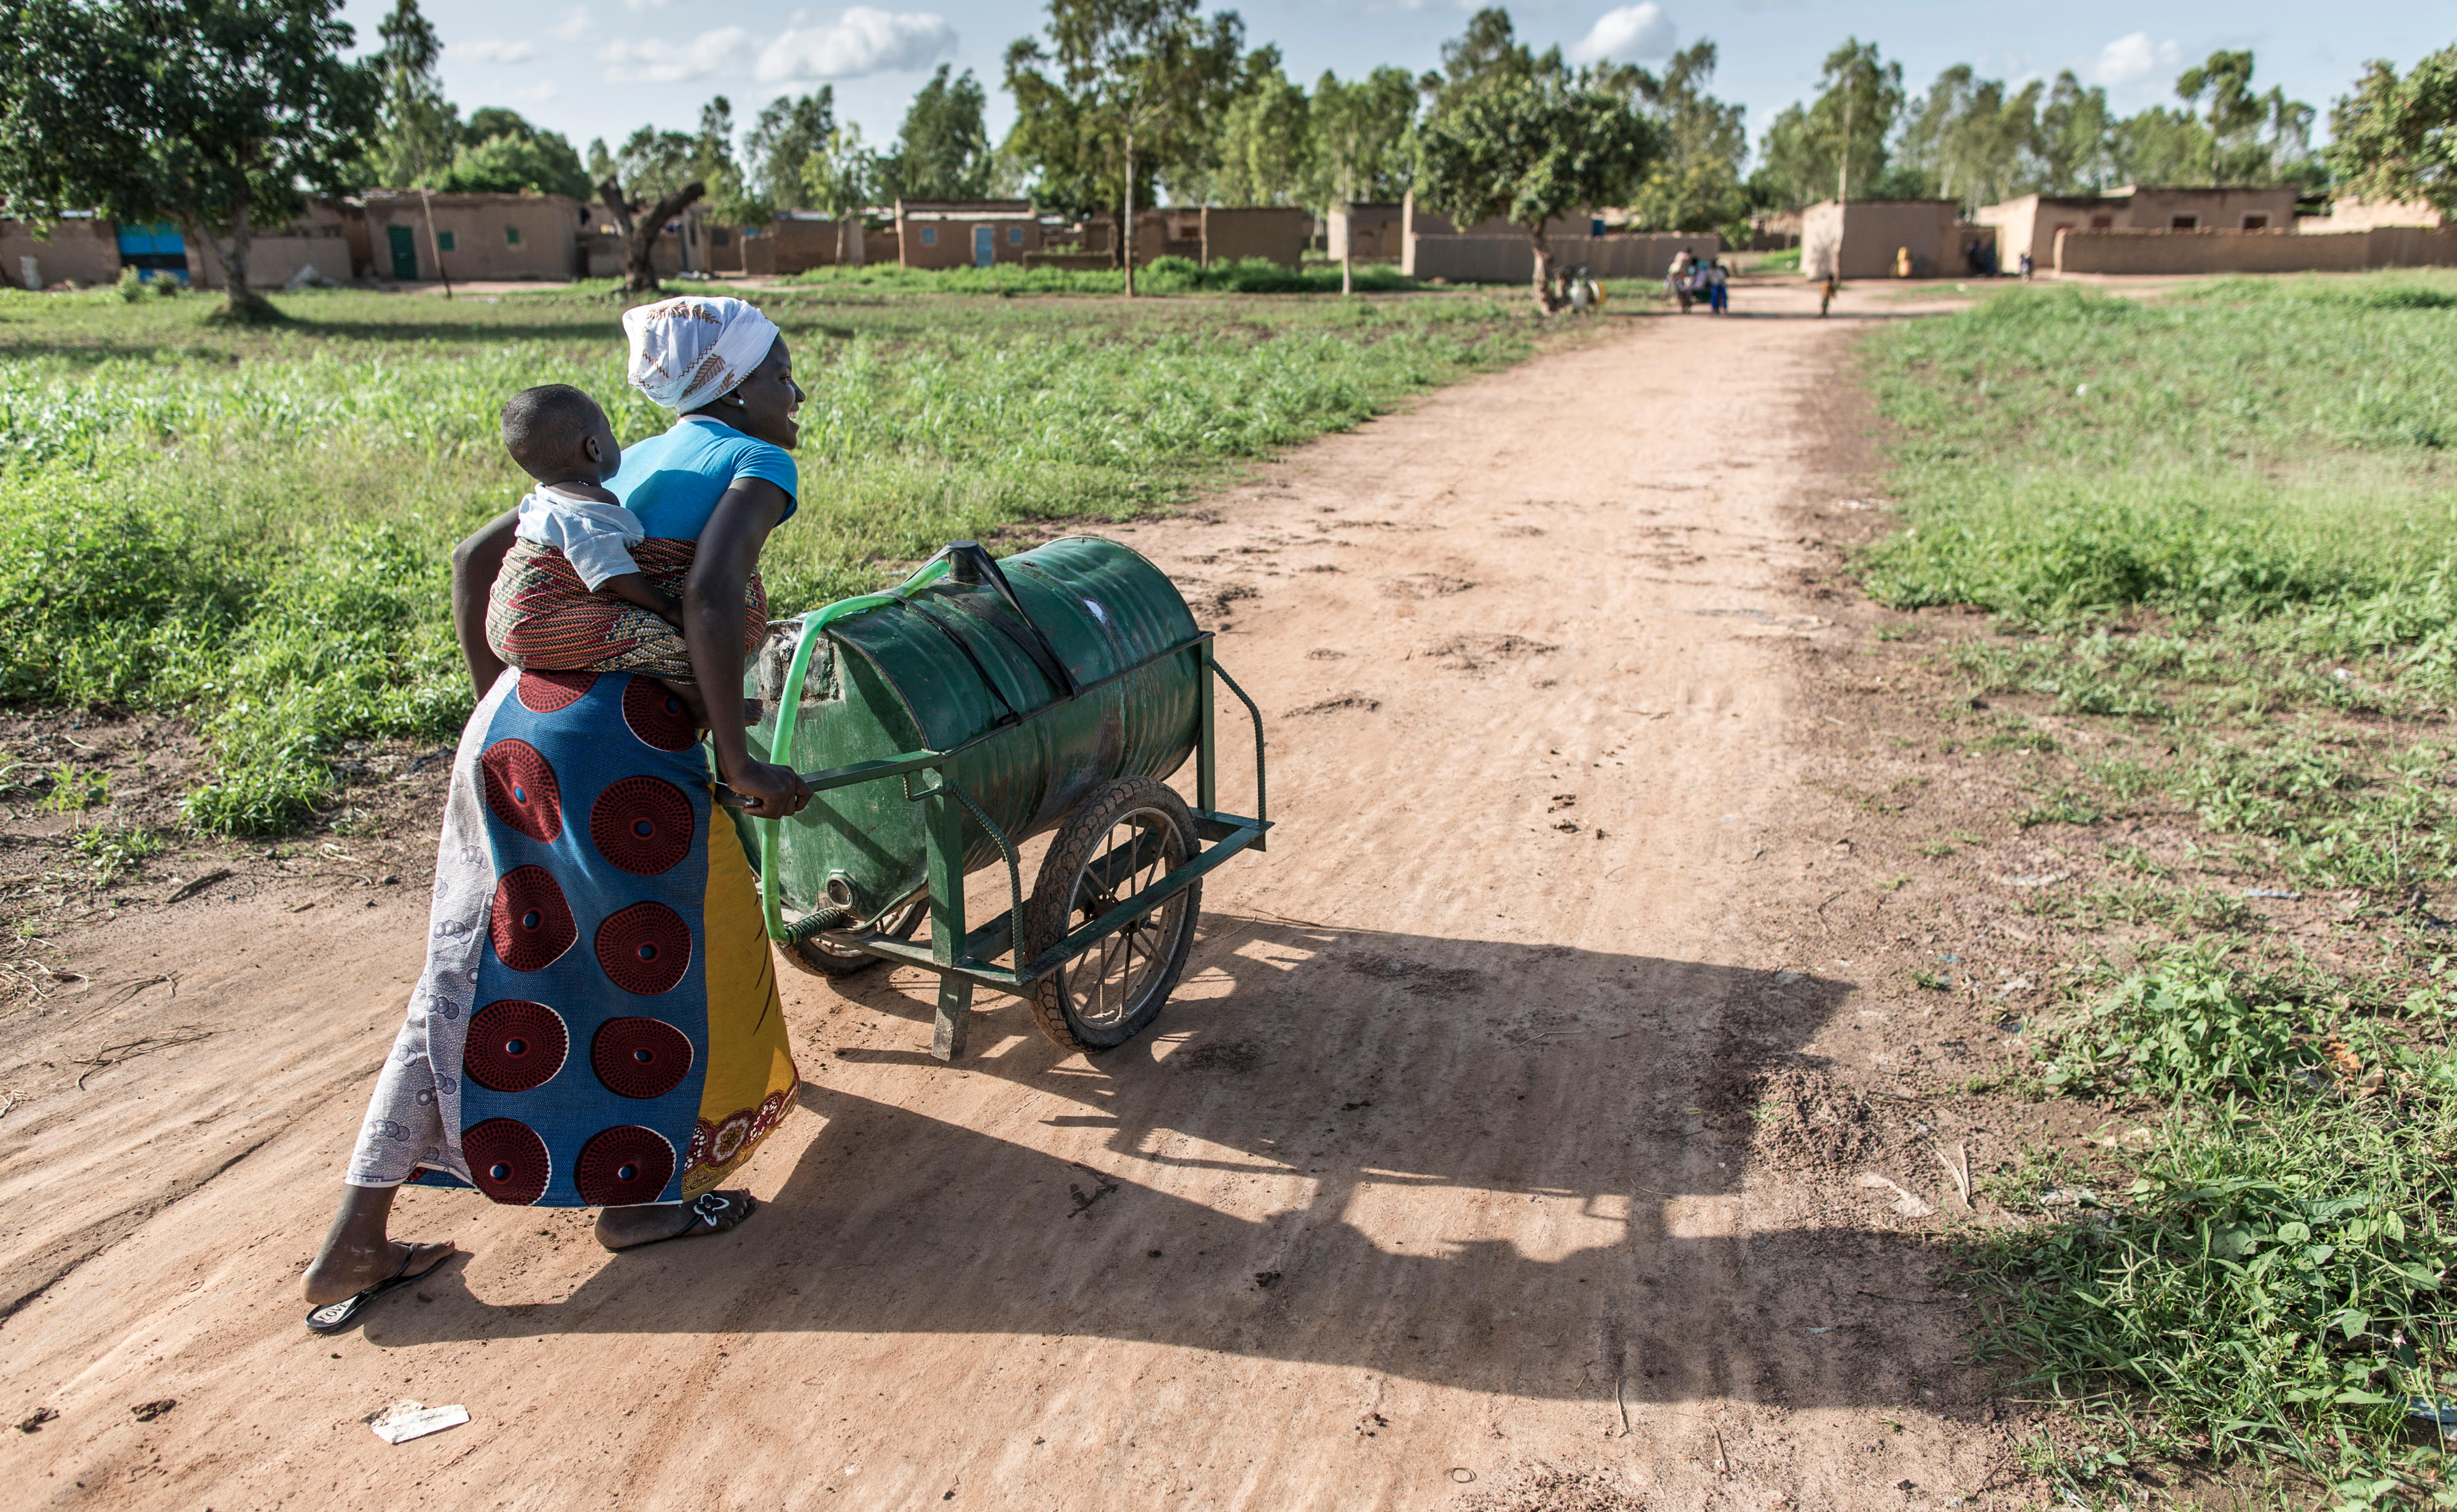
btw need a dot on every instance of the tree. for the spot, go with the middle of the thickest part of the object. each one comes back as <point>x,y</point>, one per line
<point>1487,53</point>
<point>1125,90</point>
<point>646,185</point>
<point>943,152</point>
<point>1266,138</point>
<point>838,178</point>
<point>502,154</point>
<point>1530,150</point>
<point>2160,145</point>
<point>1359,152</point>
<point>211,112</point>
<point>1822,150</point>
<point>418,132</point>
<point>2236,119</point>
<point>1969,142</point>
<point>731,199</point>
<point>2077,147</point>
<point>789,130</point>
<point>2396,139</point>
<point>1696,184</point>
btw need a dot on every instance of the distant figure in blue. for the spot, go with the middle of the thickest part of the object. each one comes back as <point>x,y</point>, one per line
<point>1718,298</point>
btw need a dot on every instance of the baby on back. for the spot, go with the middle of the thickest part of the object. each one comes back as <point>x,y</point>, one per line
<point>585,588</point>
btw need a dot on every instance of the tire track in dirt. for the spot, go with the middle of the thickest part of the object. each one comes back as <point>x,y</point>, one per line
<point>1439,1168</point>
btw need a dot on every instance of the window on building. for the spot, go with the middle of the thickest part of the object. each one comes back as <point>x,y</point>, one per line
<point>929,235</point>
<point>2102,222</point>
<point>2184,223</point>
<point>2256,222</point>
<point>719,236</point>
<point>511,236</point>
<point>443,240</point>
<point>1015,235</point>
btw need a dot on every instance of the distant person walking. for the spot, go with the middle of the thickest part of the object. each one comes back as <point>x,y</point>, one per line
<point>2025,261</point>
<point>1677,281</point>
<point>1718,298</point>
<point>1825,295</point>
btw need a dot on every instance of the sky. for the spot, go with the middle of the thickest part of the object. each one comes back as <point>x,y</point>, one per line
<point>601,67</point>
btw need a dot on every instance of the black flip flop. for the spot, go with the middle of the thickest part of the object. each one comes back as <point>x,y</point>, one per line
<point>707,1209</point>
<point>334,1316</point>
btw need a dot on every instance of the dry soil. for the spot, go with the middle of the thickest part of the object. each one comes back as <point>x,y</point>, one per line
<point>1512,1142</point>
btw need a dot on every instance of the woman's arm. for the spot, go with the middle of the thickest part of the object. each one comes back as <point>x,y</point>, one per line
<point>729,548</point>
<point>475,561</point>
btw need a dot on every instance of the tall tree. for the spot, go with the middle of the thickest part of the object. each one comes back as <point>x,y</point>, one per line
<point>1487,52</point>
<point>1266,141</point>
<point>419,130</point>
<point>2254,139</point>
<point>734,198</point>
<point>789,130</point>
<point>2396,139</point>
<point>2160,145</point>
<point>838,177</point>
<point>211,112</point>
<point>1696,184</point>
<point>1359,152</point>
<point>1530,150</point>
<point>1836,145</point>
<point>2076,146</point>
<point>1968,141</point>
<point>649,183</point>
<point>1124,90</point>
<point>943,149</point>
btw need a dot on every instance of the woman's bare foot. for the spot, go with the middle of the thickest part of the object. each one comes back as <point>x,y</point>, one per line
<point>357,1253</point>
<point>627,1228</point>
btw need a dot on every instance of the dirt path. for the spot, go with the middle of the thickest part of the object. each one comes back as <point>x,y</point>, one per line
<point>1438,1184</point>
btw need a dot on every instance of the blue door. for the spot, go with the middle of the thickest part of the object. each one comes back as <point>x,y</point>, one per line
<point>154,251</point>
<point>984,245</point>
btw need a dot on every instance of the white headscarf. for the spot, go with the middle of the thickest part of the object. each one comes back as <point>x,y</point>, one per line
<point>689,351</point>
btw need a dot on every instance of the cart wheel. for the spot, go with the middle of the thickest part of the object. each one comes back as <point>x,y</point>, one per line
<point>1121,840</point>
<point>820,958</point>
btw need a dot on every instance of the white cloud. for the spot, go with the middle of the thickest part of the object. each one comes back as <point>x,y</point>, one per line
<point>491,49</point>
<point>573,25</point>
<point>1626,36</point>
<point>2133,59</point>
<point>861,41</point>
<point>655,62</point>
<point>536,93</point>
<point>646,5</point>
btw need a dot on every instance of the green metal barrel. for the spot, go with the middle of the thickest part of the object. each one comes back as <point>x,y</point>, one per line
<point>964,650</point>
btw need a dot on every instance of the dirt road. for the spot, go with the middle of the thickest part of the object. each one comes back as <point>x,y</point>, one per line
<point>1438,1184</point>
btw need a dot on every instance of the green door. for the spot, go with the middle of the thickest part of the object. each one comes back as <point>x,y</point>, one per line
<point>404,252</point>
<point>984,245</point>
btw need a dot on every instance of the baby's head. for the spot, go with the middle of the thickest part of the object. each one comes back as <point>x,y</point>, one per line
<point>559,435</point>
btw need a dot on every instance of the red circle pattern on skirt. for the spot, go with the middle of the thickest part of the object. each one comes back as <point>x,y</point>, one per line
<point>508,1160</point>
<point>657,716</point>
<point>515,1046</point>
<point>637,804</point>
<point>640,1057</point>
<point>531,925</point>
<point>624,1165</point>
<point>644,949</point>
<point>545,692</point>
<point>521,791</point>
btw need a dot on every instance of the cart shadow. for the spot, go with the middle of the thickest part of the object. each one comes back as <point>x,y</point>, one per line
<point>1497,1167</point>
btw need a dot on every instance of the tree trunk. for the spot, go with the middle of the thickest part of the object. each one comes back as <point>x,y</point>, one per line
<point>241,303</point>
<point>640,225</point>
<point>1126,224</point>
<point>1547,301</point>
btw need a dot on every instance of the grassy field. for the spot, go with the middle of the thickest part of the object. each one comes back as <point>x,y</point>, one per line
<point>252,527</point>
<point>2217,531</point>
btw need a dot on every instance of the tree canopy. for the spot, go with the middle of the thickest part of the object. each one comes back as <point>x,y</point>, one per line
<point>212,113</point>
<point>1695,183</point>
<point>2396,139</point>
<point>943,151</point>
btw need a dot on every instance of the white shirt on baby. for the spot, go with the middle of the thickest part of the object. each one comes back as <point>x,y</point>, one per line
<point>596,539</point>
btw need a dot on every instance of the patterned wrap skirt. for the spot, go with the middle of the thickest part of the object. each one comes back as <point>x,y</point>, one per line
<point>598,1022</point>
<point>540,613</point>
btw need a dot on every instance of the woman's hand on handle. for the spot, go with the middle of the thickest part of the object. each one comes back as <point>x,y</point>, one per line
<point>770,791</point>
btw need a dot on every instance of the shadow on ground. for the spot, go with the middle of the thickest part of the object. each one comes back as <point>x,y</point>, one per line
<point>1514,1171</point>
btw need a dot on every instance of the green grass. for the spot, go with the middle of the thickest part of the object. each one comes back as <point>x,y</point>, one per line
<point>2218,529</point>
<point>252,527</point>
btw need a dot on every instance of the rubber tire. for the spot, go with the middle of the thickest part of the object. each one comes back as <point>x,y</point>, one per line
<point>1045,920</point>
<point>808,956</point>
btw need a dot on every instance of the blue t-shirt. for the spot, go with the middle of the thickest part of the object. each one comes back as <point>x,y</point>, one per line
<point>672,482</point>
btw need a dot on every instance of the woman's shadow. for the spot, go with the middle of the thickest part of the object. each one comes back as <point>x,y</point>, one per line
<point>1503,1167</point>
